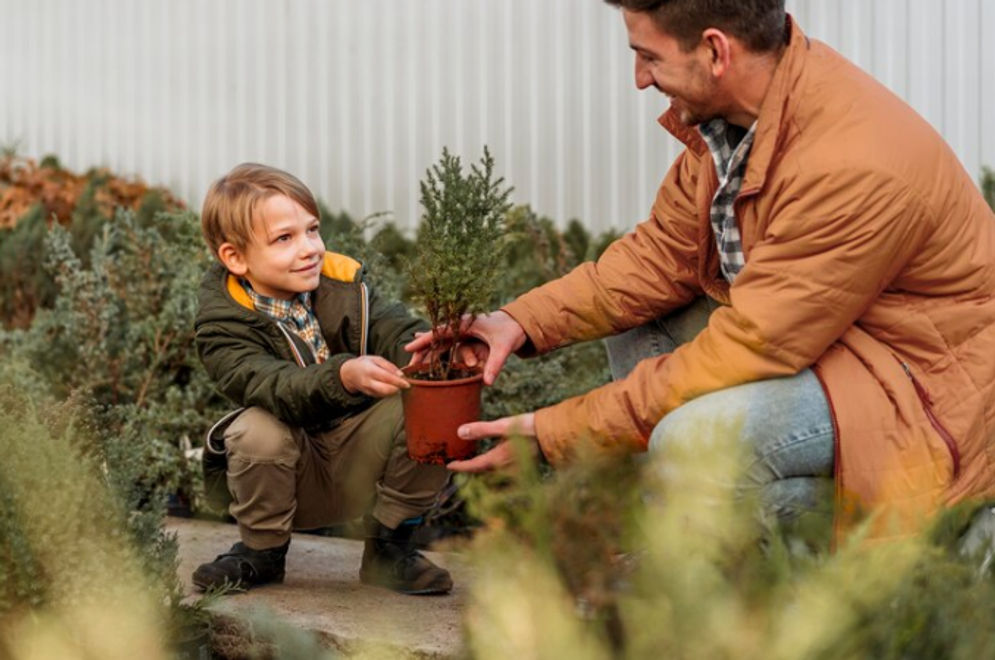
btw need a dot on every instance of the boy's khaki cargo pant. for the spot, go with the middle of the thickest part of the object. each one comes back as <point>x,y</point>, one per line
<point>282,478</point>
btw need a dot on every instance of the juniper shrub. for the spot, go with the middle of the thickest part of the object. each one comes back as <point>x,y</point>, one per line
<point>458,250</point>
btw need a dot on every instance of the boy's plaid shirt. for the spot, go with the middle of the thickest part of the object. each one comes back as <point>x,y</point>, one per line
<point>730,164</point>
<point>296,315</point>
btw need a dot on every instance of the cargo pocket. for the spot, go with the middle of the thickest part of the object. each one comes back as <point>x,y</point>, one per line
<point>215,463</point>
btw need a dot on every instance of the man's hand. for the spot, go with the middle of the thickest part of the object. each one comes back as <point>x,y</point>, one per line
<point>503,455</point>
<point>499,336</point>
<point>471,353</point>
<point>372,375</point>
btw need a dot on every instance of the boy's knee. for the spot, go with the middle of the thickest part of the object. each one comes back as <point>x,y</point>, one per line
<point>256,435</point>
<point>392,409</point>
<point>387,417</point>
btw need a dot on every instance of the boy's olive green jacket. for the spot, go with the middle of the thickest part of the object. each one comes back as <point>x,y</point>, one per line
<point>254,361</point>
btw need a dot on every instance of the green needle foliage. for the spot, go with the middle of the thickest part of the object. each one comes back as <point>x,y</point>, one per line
<point>651,558</point>
<point>458,253</point>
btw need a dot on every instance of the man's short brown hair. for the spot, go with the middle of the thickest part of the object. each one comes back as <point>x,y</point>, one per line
<point>759,24</point>
<point>230,204</point>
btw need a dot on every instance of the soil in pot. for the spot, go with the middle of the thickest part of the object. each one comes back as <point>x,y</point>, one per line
<point>434,409</point>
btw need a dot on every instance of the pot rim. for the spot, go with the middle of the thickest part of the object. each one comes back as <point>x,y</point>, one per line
<point>478,375</point>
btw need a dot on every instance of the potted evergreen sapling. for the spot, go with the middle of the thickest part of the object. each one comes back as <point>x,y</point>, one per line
<point>458,252</point>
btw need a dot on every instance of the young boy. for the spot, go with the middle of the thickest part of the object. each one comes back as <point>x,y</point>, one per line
<point>295,336</point>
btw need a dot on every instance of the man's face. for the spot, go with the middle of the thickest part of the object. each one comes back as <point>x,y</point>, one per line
<point>683,76</point>
<point>285,255</point>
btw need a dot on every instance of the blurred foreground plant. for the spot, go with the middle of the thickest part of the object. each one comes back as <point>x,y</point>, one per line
<point>72,582</point>
<point>619,558</point>
<point>83,574</point>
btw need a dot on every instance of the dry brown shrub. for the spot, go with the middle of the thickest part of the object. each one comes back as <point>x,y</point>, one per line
<point>23,183</point>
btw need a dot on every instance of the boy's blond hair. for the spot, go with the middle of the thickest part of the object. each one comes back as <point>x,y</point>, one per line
<point>230,204</point>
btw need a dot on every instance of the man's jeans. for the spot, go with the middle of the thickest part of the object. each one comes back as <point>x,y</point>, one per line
<point>785,423</point>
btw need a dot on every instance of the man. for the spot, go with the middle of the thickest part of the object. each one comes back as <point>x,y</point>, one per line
<point>852,258</point>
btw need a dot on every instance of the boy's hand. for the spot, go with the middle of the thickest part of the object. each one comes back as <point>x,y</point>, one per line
<point>372,375</point>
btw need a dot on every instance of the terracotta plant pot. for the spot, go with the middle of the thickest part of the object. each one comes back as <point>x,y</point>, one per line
<point>434,409</point>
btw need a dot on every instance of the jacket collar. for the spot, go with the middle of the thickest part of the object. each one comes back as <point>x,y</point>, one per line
<point>335,266</point>
<point>773,112</point>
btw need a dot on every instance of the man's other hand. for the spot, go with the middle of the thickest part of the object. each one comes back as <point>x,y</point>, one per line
<point>503,455</point>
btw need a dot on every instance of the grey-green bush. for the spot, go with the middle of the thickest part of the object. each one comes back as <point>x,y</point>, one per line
<point>119,337</point>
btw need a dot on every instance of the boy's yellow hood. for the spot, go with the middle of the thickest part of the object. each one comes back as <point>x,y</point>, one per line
<point>336,266</point>
<point>340,267</point>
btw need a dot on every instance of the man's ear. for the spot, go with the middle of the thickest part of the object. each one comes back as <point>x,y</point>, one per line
<point>233,259</point>
<point>718,50</point>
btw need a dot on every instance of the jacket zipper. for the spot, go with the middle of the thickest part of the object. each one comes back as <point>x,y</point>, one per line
<point>364,315</point>
<point>927,405</point>
<point>293,347</point>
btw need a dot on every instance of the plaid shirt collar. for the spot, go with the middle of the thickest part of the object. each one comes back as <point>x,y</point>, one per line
<point>296,314</point>
<point>730,150</point>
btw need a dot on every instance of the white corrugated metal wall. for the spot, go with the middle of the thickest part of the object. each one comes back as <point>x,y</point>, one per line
<point>358,98</point>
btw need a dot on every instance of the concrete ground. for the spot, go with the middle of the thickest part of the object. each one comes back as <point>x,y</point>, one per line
<point>322,593</point>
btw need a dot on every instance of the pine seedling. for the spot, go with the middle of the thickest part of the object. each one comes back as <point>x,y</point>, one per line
<point>459,250</point>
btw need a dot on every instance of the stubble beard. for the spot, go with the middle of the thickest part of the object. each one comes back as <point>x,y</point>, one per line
<point>686,115</point>
<point>705,92</point>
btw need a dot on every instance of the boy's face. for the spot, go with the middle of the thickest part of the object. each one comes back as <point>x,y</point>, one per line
<point>285,254</point>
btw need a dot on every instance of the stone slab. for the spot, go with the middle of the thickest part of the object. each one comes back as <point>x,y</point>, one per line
<point>322,593</point>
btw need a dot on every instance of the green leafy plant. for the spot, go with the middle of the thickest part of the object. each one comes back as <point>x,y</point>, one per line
<point>458,249</point>
<point>988,186</point>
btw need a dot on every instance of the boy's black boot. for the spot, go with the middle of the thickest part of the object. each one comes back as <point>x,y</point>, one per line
<point>390,560</point>
<point>242,568</point>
